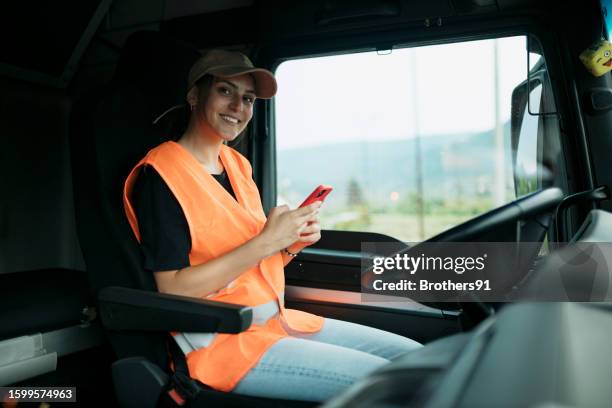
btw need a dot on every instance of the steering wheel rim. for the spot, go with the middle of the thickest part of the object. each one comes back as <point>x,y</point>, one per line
<point>478,229</point>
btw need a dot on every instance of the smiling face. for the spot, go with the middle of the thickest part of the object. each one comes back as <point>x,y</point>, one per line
<point>598,58</point>
<point>603,57</point>
<point>227,105</point>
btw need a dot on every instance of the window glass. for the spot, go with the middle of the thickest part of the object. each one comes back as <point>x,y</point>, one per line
<point>413,142</point>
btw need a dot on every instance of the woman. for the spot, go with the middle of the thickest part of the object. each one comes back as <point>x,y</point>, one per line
<point>196,210</point>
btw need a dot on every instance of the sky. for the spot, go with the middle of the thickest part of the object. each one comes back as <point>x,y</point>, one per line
<point>370,96</point>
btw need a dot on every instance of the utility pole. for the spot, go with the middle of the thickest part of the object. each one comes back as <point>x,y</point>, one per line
<point>499,180</point>
<point>417,150</point>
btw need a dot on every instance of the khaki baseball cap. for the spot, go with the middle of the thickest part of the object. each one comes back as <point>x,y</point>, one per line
<point>223,63</point>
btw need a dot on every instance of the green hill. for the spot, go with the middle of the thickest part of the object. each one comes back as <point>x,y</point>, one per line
<point>453,166</point>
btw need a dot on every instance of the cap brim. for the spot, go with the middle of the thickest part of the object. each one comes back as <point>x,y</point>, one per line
<point>265,83</point>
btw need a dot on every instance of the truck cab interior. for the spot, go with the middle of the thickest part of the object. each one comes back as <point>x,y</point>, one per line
<point>435,121</point>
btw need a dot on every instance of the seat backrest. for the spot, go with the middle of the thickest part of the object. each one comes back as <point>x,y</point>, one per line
<point>37,224</point>
<point>111,131</point>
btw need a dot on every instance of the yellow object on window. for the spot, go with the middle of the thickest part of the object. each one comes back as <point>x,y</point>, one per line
<point>598,58</point>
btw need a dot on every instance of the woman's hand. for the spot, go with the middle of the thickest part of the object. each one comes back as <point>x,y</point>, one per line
<point>310,235</point>
<point>285,227</point>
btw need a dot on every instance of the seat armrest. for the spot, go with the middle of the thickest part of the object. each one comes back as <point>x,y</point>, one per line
<point>140,310</point>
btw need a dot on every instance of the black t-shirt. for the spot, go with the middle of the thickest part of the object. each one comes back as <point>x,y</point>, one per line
<point>164,232</point>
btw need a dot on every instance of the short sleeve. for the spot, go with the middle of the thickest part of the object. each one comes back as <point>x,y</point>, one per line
<point>165,236</point>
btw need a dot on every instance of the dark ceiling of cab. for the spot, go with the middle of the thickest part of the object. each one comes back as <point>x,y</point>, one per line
<point>44,39</point>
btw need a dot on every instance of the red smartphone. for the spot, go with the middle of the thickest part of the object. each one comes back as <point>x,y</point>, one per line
<point>318,194</point>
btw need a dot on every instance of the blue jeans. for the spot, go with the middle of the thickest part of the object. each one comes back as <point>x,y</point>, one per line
<point>315,367</point>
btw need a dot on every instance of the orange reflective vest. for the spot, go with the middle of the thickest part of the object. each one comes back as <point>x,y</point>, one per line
<point>218,224</point>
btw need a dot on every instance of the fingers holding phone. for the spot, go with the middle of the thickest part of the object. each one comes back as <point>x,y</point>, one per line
<point>299,227</point>
<point>311,233</point>
<point>285,226</point>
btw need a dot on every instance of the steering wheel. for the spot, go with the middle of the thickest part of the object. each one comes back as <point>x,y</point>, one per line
<point>526,219</point>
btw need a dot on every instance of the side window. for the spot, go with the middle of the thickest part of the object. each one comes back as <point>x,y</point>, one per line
<point>414,141</point>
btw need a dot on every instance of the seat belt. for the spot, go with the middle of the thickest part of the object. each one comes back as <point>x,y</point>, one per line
<point>181,389</point>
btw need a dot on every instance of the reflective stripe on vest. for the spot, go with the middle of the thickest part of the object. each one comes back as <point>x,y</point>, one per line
<point>191,341</point>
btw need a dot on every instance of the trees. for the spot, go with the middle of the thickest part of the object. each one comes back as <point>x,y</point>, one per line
<point>354,195</point>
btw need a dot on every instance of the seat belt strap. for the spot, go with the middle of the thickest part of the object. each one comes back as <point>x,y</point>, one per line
<point>181,389</point>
